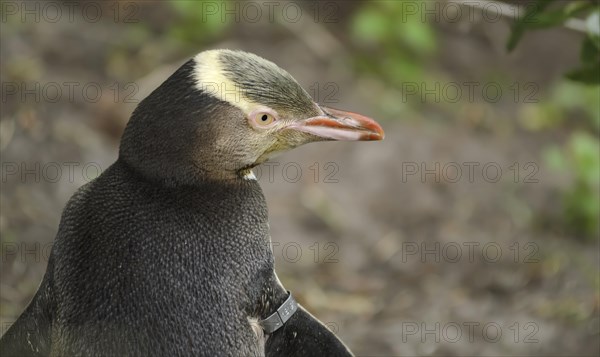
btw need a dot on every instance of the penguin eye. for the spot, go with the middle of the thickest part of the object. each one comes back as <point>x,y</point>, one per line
<point>264,118</point>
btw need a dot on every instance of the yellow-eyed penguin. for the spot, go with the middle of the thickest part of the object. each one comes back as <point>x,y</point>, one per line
<point>168,253</point>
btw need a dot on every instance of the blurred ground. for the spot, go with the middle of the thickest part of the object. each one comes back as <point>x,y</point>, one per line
<point>397,255</point>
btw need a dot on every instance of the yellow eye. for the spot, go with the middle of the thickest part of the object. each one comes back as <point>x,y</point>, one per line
<point>264,119</point>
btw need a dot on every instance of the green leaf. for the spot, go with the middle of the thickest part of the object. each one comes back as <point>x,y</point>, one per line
<point>521,24</point>
<point>589,71</point>
<point>588,74</point>
<point>575,7</point>
<point>548,19</point>
<point>536,18</point>
<point>589,51</point>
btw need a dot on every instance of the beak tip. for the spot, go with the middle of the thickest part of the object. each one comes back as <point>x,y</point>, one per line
<point>377,133</point>
<point>378,137</point>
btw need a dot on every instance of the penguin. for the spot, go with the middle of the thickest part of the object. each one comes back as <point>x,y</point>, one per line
<point>168,252</point>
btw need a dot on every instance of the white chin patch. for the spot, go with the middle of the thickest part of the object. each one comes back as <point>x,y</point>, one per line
<point>250,176</point>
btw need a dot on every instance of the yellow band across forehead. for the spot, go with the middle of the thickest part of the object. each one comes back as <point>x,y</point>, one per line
<point>249,82</point>
<point>210,79</point>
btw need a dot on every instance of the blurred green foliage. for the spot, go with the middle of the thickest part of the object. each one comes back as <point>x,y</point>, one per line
<point>398,42</point>
<point>541,15</point>
<point>200,21</point>
<point>398,45</point>
<point>184,27</point>
<point>580,155</point>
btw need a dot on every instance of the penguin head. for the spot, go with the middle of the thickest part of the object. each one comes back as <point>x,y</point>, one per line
<point>224,112</point>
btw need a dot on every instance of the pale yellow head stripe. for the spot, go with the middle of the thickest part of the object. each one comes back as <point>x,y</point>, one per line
<point>210,79</point>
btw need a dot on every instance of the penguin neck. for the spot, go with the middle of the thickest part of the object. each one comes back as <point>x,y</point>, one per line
<point>189,177</point>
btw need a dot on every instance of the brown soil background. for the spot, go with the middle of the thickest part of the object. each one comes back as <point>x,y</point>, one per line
<point>348,239</point>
